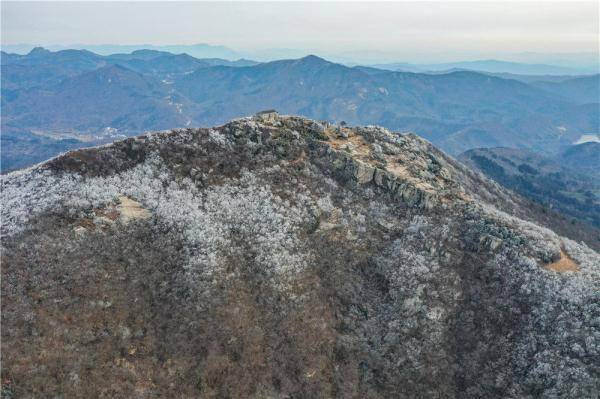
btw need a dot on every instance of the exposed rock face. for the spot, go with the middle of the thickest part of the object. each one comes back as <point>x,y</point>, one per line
<point>279,257</point>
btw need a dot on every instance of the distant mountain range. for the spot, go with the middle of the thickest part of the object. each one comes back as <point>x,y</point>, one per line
<point>533,63</point>
<point>492,66</point>
<point>41,67</point>
<point>199,50</point>
<point>581,90</point>
<point>79,95</point>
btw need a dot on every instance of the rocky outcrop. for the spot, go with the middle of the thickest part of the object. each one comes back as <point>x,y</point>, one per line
<point>278,256</point>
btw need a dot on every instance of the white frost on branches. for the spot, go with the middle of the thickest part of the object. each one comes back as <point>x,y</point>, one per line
<point>214,222</point>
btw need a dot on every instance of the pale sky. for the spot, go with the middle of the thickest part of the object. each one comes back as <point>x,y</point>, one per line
<point>401,29</point>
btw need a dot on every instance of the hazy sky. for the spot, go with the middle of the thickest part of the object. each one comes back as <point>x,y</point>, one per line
<point>402,29</point>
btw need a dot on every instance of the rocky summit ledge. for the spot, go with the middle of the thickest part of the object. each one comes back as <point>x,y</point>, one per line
<point>402,165</point>
<point>406,166</point>
<point>276,257</point>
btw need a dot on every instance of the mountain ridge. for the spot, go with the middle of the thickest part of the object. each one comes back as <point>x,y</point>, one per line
<point>491,66</point>
<point>281,256</point>
<point>456,111</point>
<point>573,191</point>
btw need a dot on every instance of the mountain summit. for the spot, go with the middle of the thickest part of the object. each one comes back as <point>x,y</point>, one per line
<point>278,256</point>
<point>313,59</point>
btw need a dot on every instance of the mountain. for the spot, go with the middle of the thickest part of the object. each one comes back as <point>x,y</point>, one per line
<point>492,66</point>
<point>283,257</point>
<point>41,67</point>
<point>569,190</point>
<point>535,78</point>
<point>584,157</point>
<point>164,65</point>
<point>51,100</point>
<point>112,97</point>
<point>456,111</point>
<point>161,63</point>
<point>141,54</point>
<point>587,82</point>
<point>200,50</point>
<point>237,63</point>
<point>580,90</point>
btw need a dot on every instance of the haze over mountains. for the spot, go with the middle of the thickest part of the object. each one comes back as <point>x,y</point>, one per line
<point>492,66</point>
<point>199,50</point>
<point>79,95</point>
<point>524,62</point>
